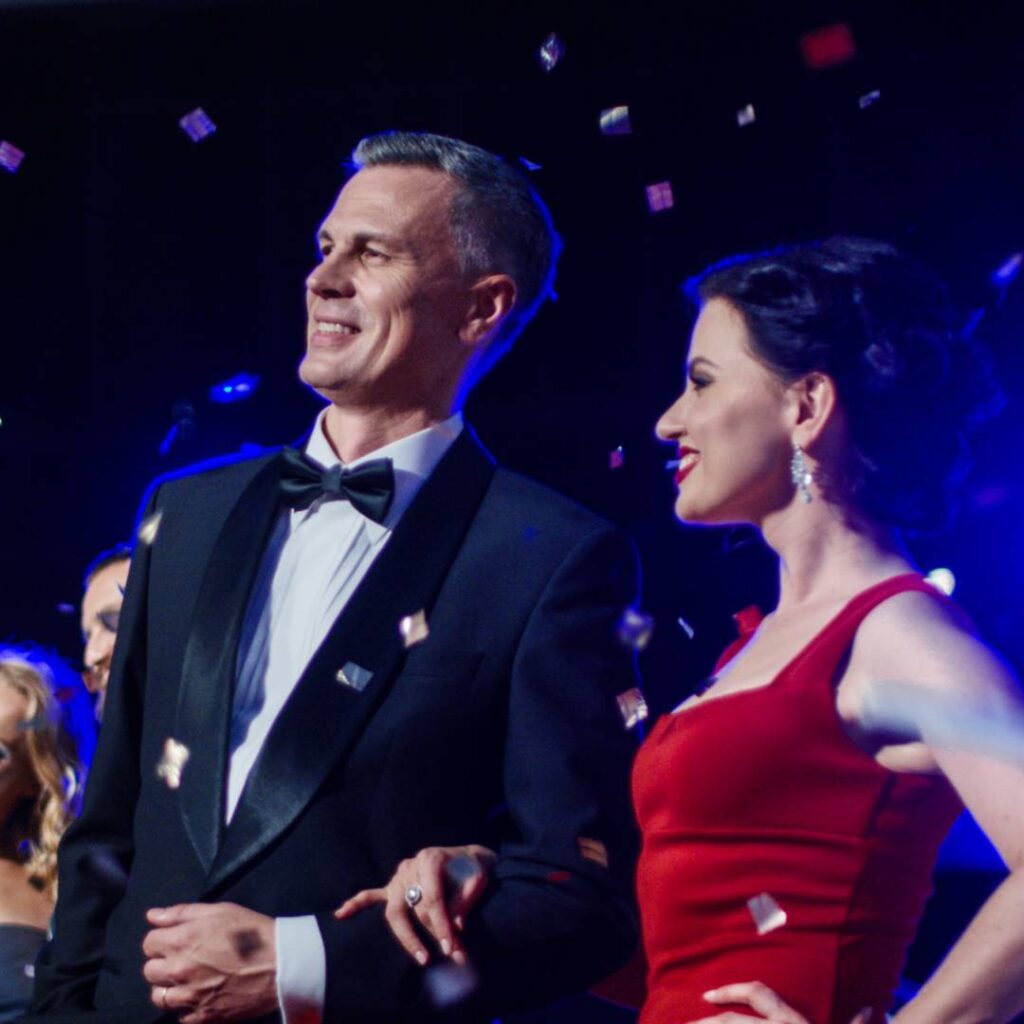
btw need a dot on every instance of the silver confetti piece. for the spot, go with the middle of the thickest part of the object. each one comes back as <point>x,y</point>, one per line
<point>634,629</point>
<point>659,197</point>
<point>686,628</point>
<point>615,121</point>
<point>869,99</point>
<point>616,458</point>
<point>414,628</point>
<point>172,762</point>
<point>148,528</point>
<point>746,115</point>
<point>551,52</point>
<point>632,707</point>
<point>767,914</point>
<point>354,676</point>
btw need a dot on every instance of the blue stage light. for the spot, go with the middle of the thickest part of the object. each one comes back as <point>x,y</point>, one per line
<point>235,389</point>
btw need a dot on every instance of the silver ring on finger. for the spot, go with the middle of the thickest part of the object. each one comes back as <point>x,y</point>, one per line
<point>413,895</point>
<point>161,997</point>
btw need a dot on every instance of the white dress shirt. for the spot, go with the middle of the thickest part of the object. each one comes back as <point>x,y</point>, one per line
<point>312,565</point>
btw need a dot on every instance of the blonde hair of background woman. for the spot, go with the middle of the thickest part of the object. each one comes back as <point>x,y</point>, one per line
<point>41,820</point>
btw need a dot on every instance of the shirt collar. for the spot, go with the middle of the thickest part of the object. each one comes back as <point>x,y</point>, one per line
<point>413,459</point>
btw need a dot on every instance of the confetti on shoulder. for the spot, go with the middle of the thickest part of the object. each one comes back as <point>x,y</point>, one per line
<point>149,527</point>
<point>634,629</point>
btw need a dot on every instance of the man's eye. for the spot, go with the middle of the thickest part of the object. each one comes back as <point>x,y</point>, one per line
<point>110,620</point>
<point>374,254</point>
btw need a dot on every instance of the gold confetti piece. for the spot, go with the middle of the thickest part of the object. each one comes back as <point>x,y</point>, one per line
<point>593,849</point>
<point>615,121</point>
<point>659,197</point>
<point>635,629</point>
<point>414,628</point>
<point>632,707</point>
<point>148,528</point>
<point>172,763</point>
<point>551,52</point>
<point>767,914</point>
<point>869,98</point>
<point>746,115</point>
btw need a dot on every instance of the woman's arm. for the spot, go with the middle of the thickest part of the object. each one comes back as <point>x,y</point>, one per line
<point>921,643</point>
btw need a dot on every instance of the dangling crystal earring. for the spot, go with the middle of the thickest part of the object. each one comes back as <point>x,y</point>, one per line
<point>800,474</point>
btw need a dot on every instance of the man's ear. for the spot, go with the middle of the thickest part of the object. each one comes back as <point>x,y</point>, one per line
<point>491,299</point>
<point>815,407</point>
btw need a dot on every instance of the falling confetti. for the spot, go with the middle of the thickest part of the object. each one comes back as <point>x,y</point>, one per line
<point>1009,270</point>
<point>148,528</point>
<point>64,608</point>
<point>659,197</point>
<point>616,458</point>
<point>686,628</point>
<point>632,707</point>
<point>746,115</point>
<point>869,98</point>
<point>593,849</point>
<point>173,760</point>
<point>529,164</point>
<point>449,984</point>
<point>615,121</point>
<point>10,157</point>
<point>30,970</point>
<point>635,629</point>
<point>414,628</point>
<point>943,580</point>
<point>767,914</point>
<point>828,47</point>
<point>551,52</point>
<point>196,124</point>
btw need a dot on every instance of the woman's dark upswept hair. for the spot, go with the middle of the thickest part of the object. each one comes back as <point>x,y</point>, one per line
<point>884,329</point>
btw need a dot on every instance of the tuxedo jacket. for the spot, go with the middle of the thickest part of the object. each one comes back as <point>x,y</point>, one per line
<point>500,727</point>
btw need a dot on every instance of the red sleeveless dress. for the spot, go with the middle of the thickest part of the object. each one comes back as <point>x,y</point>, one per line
<point>762,791</point>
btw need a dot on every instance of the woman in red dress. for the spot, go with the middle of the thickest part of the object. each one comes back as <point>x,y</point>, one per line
<point>789,835</point>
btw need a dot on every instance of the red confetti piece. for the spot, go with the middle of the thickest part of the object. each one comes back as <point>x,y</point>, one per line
<point>828,47</point>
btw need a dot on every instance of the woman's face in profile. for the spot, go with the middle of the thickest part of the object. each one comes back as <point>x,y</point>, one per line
<point>730,425</point>
<point>16,778</point>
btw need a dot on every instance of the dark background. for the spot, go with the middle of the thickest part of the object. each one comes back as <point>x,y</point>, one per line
<point>140,268</point>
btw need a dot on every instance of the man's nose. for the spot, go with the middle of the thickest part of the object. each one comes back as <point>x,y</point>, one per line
<point>330,278</point>
<point>98,648</point>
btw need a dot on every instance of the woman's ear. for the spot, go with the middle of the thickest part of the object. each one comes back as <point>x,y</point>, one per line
<point>815,407</point>
<point>491,300</point>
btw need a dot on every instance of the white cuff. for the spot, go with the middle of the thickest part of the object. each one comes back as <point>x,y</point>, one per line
<point>301,970</point>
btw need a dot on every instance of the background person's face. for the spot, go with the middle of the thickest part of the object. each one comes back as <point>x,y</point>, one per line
<point>101,610</point>
<point>16,779</point>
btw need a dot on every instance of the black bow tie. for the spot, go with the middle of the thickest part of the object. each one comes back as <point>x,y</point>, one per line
<point>370,487</point>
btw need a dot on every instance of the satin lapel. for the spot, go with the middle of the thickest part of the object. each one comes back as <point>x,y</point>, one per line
<point>208,670</point>
<point>323,717</point>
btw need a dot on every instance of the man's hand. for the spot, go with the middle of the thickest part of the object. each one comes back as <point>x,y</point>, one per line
<point>211,962</point>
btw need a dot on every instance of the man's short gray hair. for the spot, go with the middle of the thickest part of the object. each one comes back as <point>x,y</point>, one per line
<point>498,222</point>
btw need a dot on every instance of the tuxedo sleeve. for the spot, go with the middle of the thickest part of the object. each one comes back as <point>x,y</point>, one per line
<point>96,851</point>
<point>558,914</point>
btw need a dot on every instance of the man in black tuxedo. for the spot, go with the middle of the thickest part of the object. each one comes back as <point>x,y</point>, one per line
<point>330,659</point>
